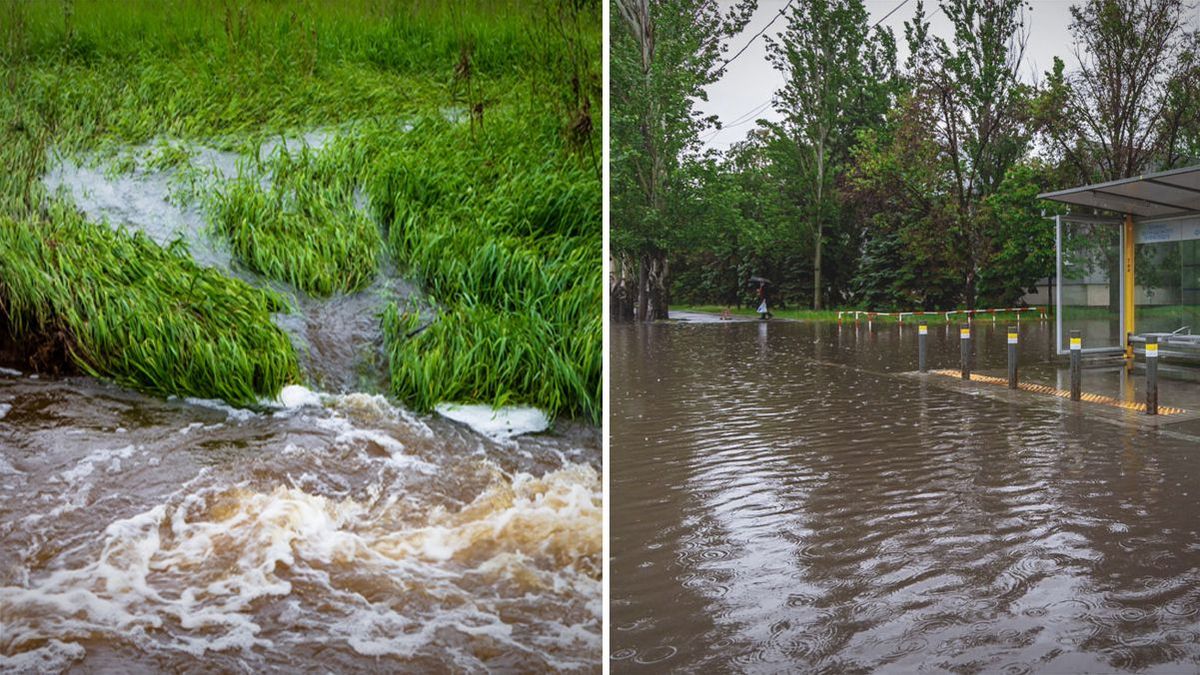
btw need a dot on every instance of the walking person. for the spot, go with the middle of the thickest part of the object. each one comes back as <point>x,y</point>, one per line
<point>763,314</point>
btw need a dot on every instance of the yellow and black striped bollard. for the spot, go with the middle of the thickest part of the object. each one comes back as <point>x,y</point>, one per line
<point>1151,375</point>
<point>964,335</point>
<point>922,348</point>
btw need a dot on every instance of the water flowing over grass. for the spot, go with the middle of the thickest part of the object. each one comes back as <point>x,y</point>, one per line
<point>461,149</point>
<point>144,316</point>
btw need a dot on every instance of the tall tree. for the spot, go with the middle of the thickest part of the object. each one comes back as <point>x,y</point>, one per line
<point>981,111</point>
<point>1135,96</point>
<point>663,54</point>
<point>838,76</point>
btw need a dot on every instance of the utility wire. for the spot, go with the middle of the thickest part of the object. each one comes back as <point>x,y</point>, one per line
<point>739,120</point>
<point>756,36</point>
<point>885,16</point>
<point>757,109</point>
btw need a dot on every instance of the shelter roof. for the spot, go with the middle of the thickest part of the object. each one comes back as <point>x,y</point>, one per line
<point>1154,195</point>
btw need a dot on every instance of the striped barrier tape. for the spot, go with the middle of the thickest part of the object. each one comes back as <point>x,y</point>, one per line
<point>871,316</point>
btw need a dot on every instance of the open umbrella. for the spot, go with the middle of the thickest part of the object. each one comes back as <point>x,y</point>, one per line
<point>758,280</point>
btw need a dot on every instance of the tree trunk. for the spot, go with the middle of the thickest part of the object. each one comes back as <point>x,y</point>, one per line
<point>622,294</point>
<point>655,266</point>
<point>643,299</point>
<point>817,269</point>
<point>820,225</point>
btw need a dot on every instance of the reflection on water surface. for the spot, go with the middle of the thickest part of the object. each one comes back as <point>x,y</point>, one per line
<point>781,500</point>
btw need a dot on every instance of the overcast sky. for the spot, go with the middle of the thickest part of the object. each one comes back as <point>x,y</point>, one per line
<point>743,95</point>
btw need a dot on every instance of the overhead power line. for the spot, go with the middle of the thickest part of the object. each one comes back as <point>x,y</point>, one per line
<point>743,119</point>
<point>885,16</point>
<point>756,36</point>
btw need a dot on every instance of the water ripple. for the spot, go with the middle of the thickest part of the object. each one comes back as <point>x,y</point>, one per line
<point>816,513</point>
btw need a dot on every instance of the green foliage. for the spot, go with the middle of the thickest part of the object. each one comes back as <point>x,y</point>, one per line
<point>1131,104</point>
<point>304,229</point>
<point>662,55</point>
<point>933,205</point>
<point>138,314</point>
<point>129,72</point>
<point>1024,235</point>
<point>506,239</point>
<point>839,78</point>
<point>469,127</point>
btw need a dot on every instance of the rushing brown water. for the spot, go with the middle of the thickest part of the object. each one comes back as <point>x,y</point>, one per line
<point>781,501</point>
<point>349,535</point>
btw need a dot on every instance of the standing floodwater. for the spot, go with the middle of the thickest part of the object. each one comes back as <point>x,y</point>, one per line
<point>782,498</point>
<point>344,535</point>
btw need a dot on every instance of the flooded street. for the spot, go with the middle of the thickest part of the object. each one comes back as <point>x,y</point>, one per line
<point>783,499</point>
<point>339,534</point>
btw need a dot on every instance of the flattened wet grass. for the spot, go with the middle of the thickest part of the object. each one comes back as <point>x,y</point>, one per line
<point>471,136</point>
<point>303,228</point>
<point>507,243</point>
<point>140,315</point>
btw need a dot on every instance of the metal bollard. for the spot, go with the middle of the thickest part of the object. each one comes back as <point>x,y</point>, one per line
<point>922,348</point>
<point>1012,357</point>
<point>1151,375</point>
<point>964,334</point>
<point>1076,359</point>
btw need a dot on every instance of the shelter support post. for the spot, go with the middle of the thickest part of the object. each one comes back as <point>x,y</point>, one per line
<point>1127,286</point>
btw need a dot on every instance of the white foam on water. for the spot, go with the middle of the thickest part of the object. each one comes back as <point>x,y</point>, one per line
<point>375,408</point>
<point>148,199</point>
<point>190,575</point>
<point>552,516</point>
<point>53,657</point>
<point>297,396</point>
<point>10,372</point>
<point>231,413</point>
<point>190,428</point>
<point>498,424</point>
<point>109,460</point>
<point>350,435</point>
<point>4,408</point>
<point>141,200</point>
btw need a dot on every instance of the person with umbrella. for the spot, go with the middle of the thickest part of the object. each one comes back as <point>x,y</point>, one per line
<point>763,314</point>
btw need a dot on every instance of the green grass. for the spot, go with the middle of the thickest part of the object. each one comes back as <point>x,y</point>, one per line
<point>831,315</point>
<point>141,315</point>
<point>496,215</point>
<point>84,75</point>
<point>505,236</point>
<point>303,229</point>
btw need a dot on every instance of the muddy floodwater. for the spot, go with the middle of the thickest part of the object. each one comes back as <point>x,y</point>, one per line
<point>783,498</point>
<point>340,534</point>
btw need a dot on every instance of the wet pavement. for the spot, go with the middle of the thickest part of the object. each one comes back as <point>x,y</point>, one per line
<point>787,496</point>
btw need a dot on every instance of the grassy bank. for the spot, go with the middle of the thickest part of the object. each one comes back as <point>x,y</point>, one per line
<point>831,315</point>
<point>505,236</point>
<point>303,228</point>
<point>143,316</point>
<point>469,130</point>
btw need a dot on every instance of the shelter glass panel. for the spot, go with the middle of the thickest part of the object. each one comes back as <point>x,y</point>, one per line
<point>1167,275</point>
<point>1090,284</point>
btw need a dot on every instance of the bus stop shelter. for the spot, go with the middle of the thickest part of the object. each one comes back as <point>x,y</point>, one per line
<point>1128,264</point>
